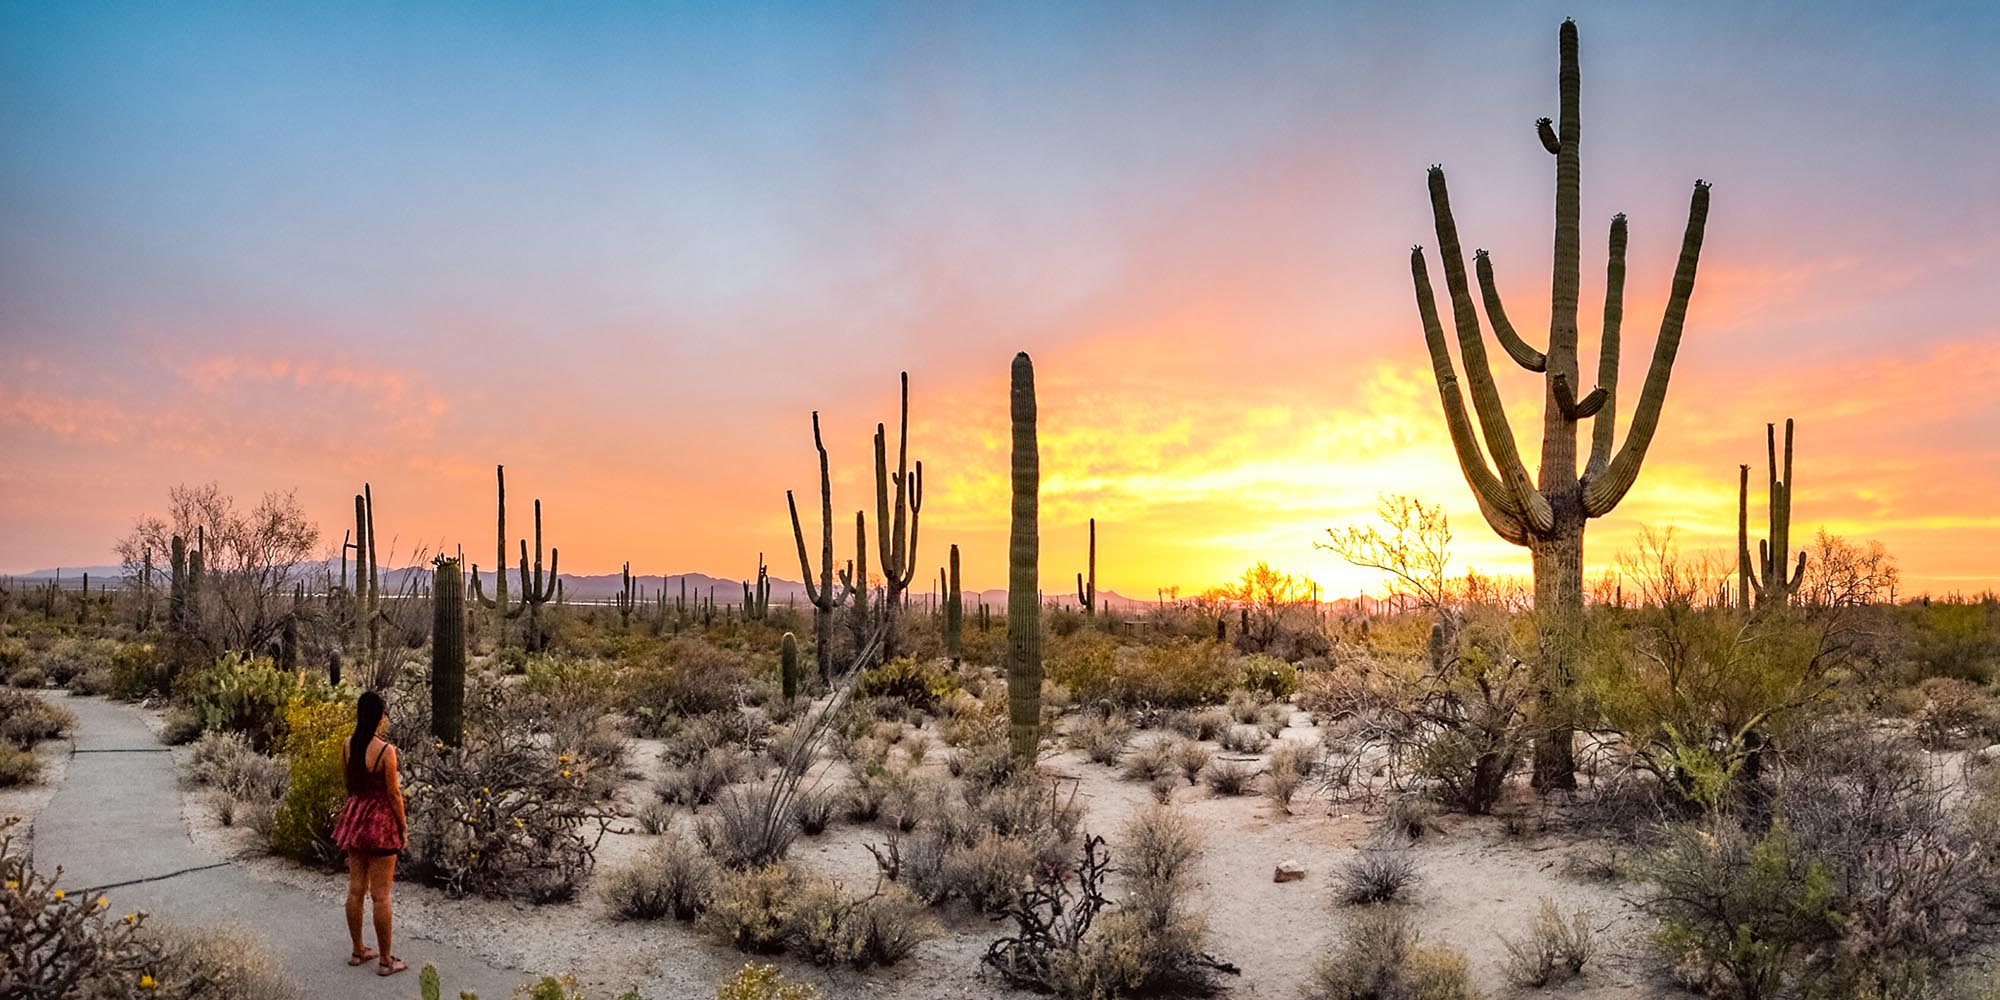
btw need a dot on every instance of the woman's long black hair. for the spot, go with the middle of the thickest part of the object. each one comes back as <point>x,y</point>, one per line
<point>368,711</point>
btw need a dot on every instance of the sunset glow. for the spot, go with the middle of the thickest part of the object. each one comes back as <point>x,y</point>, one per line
<point>628,255</point>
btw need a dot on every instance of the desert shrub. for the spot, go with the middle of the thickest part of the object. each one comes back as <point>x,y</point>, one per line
<point>91,682</point>
<point>763,982</point>
<point>671,878</point>
<point>814,811</point>
<point>67,659</point>
<point>697,784</point>
<point>1101,738</point>
<point>1302,757</point>
<point>1380,957</point>
<point>18,766</point>
<point>1739,917</point>
<point>1285,781</point>
<point>60,946</point>
<point>1958,640</point>
<point>1409,817</point>
<point>888,925</point>
<point>315,785</point>
<point>28,678</point>
<point>655,816</point>
<point>180,726</point>
<point>919,685</point>
<point>750,827</point>
<point>137,671</point>
<point>1151,762</point>
<point>244,785</point>
<point>1953,711</point>
<point>1555,950</point>
<point>247,695</point>
<point>1085,662</point>
<point>1378,873</point>
<point>1266,675</point>
<point>219,963</point>
<point>752,909</point>
<point>26,719</point>
<point>990,872</point>
<point>829,927</point>
<point>982,765</point>
<point>1229,777</point>
<point>1179,673</point>
<point>688,677</point>
<point>1191,758</point>
<point>1244,739</point>
<point>515,810</point>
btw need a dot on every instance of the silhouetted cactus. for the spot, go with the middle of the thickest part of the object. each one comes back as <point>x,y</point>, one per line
<point>788,667</point>
<point>954,614</point>
<point>498,602</point>
<point>367,579</point>
<point>538,590</point>
<point>822,595</point>
<point>757,596</point>
<point>1086,595</point>
<point>1024,546</point>
<point>1548,517</point>
<point>854,580</point>
<point>626,597</point>
<point>1764,577</point>
<point>448,653</point>
<point>896,520</point>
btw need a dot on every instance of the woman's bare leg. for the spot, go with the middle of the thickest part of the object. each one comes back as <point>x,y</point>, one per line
<point>382,875</point>
<point>357,892</point>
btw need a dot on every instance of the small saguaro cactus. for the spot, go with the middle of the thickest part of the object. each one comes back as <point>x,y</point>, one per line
<point>898,545</point>
<point>503,612</point>
<point>954,614</point>
<point>788,667</point>
<point>448,653</point>
<point>757,596</point>
<point>1763,577</point>
<point>537,590</point>
<point>1024,546</point>
<point>1086,591</point>
<point>626,599</point>
<point>367,579</point>
<point>822,595</point>
<point>854,580</point>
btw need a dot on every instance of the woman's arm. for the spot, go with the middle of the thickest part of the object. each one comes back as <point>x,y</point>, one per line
<point>390,770</point>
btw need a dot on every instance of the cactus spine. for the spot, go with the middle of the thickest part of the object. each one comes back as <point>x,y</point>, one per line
<point>896,520</point>
<point>788,667</point>
<point>954,614</point>
<point>448,653</point>
<point>821,595</point>
<point>1086,596</point>
<point>1764,577</point>
<point>1024,607</point>
<point>1548,516</point>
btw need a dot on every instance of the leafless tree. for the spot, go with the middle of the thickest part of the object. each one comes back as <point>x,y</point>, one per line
<point>250,559</point>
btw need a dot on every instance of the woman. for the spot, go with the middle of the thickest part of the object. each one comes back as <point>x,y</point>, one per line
<point>371,828</point>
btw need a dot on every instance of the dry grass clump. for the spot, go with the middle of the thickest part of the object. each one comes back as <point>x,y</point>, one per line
<point>1555,950</point>
<point>1380,958</point>
<point>1284,783</point>
<point>219,963</point>
<point>26,719</point>
<point>1378,873</point>
<point>672,878</point>
<point>1191,758</point>
<point>1229,777</point>
<point>1244,739</point>
<point>748,829</point>
<point>1150,762</point>
<point>1101,738</point>
<point>773,909</point>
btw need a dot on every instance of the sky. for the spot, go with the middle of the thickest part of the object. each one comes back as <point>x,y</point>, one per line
<point>628,249</point>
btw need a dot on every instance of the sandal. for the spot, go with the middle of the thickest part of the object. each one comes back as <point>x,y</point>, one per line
<point>361,957</point>
<point>391,967</point>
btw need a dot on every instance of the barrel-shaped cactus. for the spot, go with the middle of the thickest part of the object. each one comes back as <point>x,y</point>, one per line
<point>1024,546</point>
<point>448,653</point>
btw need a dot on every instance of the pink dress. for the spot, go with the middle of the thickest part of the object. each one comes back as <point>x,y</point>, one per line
<point>367,823</point>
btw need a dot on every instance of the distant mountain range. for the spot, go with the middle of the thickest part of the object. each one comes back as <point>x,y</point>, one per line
<point>603,586</point>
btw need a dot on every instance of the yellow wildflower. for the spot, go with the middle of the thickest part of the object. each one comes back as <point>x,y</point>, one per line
<point>565,773</point>
<point>59,894</point>
<point>103,902</point>
<point>146,982</point>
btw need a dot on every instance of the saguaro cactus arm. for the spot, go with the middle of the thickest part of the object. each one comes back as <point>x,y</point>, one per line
<point>1604,429</point>
<point>1496,314</point>
<point>1603,492</point>
<point>1496,503</point>
<point>1531,505</point>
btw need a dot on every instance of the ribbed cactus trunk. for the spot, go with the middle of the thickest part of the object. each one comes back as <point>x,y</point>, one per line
<point>1024,546</point>
<point>788,667</point>
<point>1548,515</point>
<point>1086,590</point>
<point>448,653</point>
<point>177,586</point>
<point>954,614</point>
<point>627,599</point>
<point>854,579</point>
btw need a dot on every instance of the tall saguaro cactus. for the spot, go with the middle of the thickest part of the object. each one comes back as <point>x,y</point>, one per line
<point>822,596</point>
<point>1548,515</point>
<point>896,520</point>
<point>537,590</point>
<point>954,614</point>
<point>1764,577</point>
<point>503,612</point>
<point>1086,595</point>
<point>757,596</point>
<point>448,653</point>
<point>627,598</point>
<point>367,577</point>
<point>1024,548</point>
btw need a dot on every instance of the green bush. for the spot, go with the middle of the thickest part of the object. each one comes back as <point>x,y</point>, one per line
<point>1178,674</point>
<point>18,766</point>
<point>248,695</point>
<point>26,719</point>
<point>752,909</point>
<point>763,982</point>
<point>1269,676</point>
<point>136,671</point>
<point>920,685</point>
<point>315,732</point>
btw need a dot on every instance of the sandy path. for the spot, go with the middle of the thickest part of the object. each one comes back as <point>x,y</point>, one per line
<point>114,826</point>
